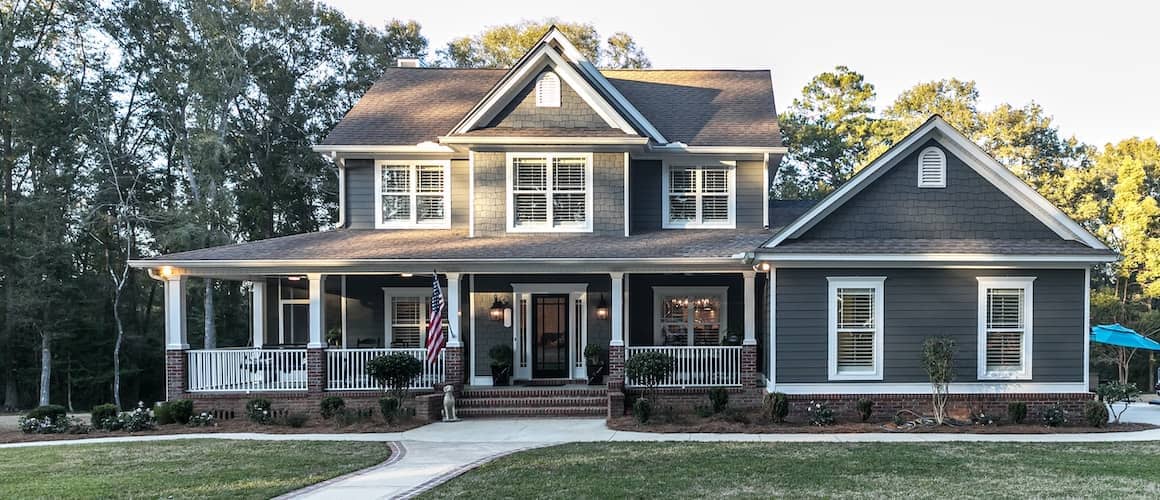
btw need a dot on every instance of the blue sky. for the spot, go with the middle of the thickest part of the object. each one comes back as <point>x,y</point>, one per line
<point>1094,66</point>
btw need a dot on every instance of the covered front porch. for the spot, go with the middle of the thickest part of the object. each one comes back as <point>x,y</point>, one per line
<point>313,332</point>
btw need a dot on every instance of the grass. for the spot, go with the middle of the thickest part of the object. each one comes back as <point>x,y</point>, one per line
<point>751,470</point>
<point>201,468</point>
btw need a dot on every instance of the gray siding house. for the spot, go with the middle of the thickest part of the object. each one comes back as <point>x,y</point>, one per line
<point>562,206</point>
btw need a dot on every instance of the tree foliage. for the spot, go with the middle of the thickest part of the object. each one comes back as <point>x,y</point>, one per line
<point>501,46</point>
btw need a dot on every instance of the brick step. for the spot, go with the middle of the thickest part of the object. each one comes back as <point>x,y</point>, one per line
<point>533,402</point>
<point>536,392</point>
<point>558,411</point>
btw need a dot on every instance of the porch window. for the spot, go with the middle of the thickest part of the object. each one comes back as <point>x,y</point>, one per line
<point>687,317</point>
<point>1005,328</point>
<point>413,194</point>
<point>855,318</point>
<point>293,311</point>
<point>549,192</point>
<point>699,196</point>
<point>407,313</point>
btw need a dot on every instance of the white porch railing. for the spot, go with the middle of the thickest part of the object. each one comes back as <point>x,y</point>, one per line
<point>247,370</point>
<point>702,366</point>
<point>346,369</point>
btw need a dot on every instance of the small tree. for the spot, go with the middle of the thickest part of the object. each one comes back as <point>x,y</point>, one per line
<point>938,356</point>
<point>647,369</point>
<point>394,372</point>
<point>1116,392</point>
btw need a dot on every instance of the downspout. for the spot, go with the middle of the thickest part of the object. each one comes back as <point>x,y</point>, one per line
<point>341,190</point>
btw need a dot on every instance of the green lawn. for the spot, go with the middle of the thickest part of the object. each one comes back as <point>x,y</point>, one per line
<point>715,470</point>
<point>179,469</point>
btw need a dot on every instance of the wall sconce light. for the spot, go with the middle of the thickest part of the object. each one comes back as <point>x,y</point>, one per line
<point>496,313</point>
<point>166,271</point>
<point>602,308</point>
<point>761,267</point>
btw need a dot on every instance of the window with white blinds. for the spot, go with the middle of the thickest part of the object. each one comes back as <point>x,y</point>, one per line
<point>932,168</point>
<point>550,192</point>
<point>856,326</point>
<point>412,194</point>
<point>699,196</point>
<point>1004,328</point>
<point>407,312</point>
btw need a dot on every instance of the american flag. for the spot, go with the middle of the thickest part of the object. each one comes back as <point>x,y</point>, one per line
<point>435,338</point>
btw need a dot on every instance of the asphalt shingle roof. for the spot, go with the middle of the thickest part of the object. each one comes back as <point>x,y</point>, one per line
<point>697,107</point>
<point>439,244</point>
<point>855,246</point>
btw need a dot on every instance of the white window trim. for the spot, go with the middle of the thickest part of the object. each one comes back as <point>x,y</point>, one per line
<point>444,223</point>
<point>878,284</point>
<point>390,293</point>
<point>731,167</point>
<point>282,303</point>
<point>1027,284</point>
<point>716,291</point>
<point>548,228</point>
<point>943,165</point>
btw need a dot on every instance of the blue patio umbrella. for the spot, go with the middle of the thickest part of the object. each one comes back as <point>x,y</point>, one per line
<point>1122,336</point>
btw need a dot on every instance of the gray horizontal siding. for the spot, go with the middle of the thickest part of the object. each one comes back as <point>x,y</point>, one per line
<point>646,195</point>
<point>929,302</point>
<point>893,206</point>
<point>360,194</point>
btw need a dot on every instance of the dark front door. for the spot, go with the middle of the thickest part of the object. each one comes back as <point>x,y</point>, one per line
<point>550,336</point>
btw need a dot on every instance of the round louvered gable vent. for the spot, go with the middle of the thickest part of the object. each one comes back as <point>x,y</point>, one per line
<point>932,168</point>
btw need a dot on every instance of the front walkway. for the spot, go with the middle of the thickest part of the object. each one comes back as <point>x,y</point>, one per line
<point>433,454</point>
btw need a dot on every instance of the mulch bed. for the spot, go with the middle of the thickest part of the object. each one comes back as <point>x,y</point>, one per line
<point>314,426</point>
<point>722,425</point>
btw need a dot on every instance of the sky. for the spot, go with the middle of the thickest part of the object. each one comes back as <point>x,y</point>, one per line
<point>1093,66</point>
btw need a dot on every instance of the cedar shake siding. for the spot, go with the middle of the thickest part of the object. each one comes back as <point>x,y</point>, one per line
<point>491,209</point>
<point>920,303</point>
<point>893,206</point>
<point>573,112</point>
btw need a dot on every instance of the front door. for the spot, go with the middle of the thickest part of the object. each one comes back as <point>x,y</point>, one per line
<point>550,336</point>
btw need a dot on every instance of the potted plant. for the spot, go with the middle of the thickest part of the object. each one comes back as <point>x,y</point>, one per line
<point>594,361</point>
<point>732,337</point>
<point>334,336</point>
<point>501,364</point>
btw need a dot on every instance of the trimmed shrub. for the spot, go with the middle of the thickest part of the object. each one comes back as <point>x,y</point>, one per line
<point>47,411</point>
<point>297,419</point>
<point>330,406</point>
<point>1115,392</point>
<point>719,397</point>
<point>259,411</point>
<point>394,372</point>
<point>390,407</point>
<point>203,419</point>
<point>775,406</point>
<point>53,425</point>
<point>865,408</point>
<point>820,414</point>
<point>181,410</point>
<point>163,413</point>
<point>102,413</point>
<point>1017,412</point>
<point>641,410</point>
<point>1054,415</point>
<point>648,369</point>
<point>1095,413</point>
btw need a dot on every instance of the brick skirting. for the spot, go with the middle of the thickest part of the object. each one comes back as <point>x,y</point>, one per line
<point>428,406</point>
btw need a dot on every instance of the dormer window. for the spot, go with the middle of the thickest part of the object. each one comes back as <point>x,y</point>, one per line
<point>932,168</point>
<point>548,90</point>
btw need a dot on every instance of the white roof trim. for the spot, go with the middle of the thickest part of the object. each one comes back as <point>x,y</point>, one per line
<point>973,156</point>
<point>932,257</point>
<point>423,147</point>
<point>677,147</point>
<point>467,139</point>
<point>544,54</point>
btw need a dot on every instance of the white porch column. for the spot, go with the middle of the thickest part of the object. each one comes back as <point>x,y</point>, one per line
<point>175,334</point>
<point>258,311</point>
<point>317,311</point>
<point>453,297</point>
<point>617,310</point>
<point>750,308</point>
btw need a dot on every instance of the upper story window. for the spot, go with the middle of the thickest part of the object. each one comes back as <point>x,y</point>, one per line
<point>549,192</point>
<point>1004,328</point>
<point>548,90</point>
<point>855,324</point>
<point>413,194</point>
<point>932,168</point>
<point>700,196</point>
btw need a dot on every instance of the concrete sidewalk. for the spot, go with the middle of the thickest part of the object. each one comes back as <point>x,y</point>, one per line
<point>430,455</point>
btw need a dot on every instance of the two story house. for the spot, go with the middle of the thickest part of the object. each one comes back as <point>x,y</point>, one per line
<point>563,206</point>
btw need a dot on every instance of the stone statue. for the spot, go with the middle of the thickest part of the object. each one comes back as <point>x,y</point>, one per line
<point>449,404</point>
